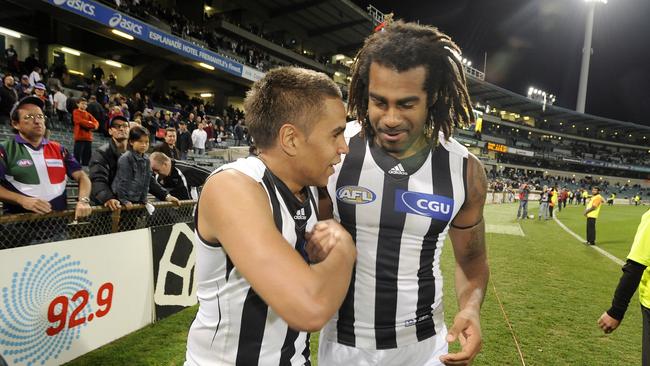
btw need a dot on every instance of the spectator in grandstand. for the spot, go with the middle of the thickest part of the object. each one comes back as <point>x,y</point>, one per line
<point>522,211</point>
<point>97,111</point>
<point>59,105</point>
<point>168,147</point>
<point>184,140</point>
<point>103,164</point>
<point>584,195</point>
<point>297,117</point>
<point>84,124</point>
<point>199,136</point>
<point>97,72</point>
<point>209,132</point>
<point>134,177</point>
<point>115,111</point>
<point>35,76</point>
<point>33,169</point>
<point>591,213</point>
<point>39,92</point>
<point>405,78</point>
<point>11,56</point>
<point>635,274</point>
<point>150,122</point>
<point>8,97</point>
<point>239,133</point>
<point>181,179</point>
<point>23,88</point>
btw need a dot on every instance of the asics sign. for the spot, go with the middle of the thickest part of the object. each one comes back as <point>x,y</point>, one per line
<point>423,204</point>
<point>79,5</point>
<point>125,24</point>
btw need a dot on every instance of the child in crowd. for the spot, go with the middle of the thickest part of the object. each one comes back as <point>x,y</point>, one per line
<point>131,183</point>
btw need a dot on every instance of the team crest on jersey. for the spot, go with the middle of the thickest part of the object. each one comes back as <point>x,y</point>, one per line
<point>355,195</point>
<point>424,204</point>
<point>24,163</point>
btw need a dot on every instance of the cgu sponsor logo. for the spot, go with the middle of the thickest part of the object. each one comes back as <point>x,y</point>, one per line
<point>423,204</point>
<point>355,195</point>
<point>80,5</point>
<point>125,24</point>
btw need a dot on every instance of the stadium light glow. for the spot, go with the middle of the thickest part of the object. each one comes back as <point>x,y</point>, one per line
<point>9,32</point>
<point>206,95</point>
<point>339,57</point>
<point>122,34</point>
<point>113,63</point>
<point>541,96</point>
<point>76,72</point>
<point>70,51</point>
<point>206,66</point>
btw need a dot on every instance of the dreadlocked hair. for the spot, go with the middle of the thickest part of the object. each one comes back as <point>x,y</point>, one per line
<point>403,46</point>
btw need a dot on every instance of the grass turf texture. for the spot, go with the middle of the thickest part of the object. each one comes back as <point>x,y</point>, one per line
<point>552,287</point>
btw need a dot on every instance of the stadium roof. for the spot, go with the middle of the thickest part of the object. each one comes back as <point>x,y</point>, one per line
<point>496,96</point>
<point>328,26</point>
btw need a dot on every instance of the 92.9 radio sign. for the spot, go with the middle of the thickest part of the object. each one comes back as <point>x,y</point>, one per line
<point>63,311</point>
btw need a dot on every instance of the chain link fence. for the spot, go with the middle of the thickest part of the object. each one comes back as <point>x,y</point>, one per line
<point>26,229</point>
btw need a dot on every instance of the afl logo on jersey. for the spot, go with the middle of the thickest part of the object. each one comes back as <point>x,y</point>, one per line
<point>24,163</point>
<point>355,195</point>
<point>423,204</point>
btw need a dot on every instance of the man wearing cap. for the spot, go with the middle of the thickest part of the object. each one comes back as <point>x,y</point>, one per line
<point>33,169</point>
<point>23,88</point>
<point>8,98</point>
<point>84,124</point>
<point>40,93</point>
<point>103,167</point>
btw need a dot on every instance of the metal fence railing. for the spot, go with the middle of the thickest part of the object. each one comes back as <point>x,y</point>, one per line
<point>26,229</point>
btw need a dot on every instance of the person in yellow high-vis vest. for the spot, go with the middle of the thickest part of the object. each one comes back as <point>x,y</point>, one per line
<point>636,273</point>
<point>591,213</point>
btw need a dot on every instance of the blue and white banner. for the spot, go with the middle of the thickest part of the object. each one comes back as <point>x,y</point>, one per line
<point>138,29</point>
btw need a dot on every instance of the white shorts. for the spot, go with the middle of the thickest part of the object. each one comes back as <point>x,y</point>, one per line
<point>425,353</point>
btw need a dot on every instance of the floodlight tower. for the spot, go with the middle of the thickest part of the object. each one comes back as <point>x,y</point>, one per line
<point>586,55</point>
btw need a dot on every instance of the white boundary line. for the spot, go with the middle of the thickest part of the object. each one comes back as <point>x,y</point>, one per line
<point>580,239</point>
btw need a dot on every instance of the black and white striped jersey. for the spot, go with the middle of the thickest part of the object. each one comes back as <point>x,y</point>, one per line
<point>398,213</point>
<point>234,326</point>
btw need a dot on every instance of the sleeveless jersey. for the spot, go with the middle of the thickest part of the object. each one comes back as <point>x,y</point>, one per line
<point>234,326</point>
<point>398,218</point>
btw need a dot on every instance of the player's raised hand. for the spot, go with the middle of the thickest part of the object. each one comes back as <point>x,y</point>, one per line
<point>466,330</point>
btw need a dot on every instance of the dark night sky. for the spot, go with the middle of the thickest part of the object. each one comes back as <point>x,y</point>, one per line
<point>539,42</point>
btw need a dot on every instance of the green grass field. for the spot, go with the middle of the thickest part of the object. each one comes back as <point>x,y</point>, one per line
<point>552,287</point>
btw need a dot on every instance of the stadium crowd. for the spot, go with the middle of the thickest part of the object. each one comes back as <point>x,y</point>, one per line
<point>227,45</point>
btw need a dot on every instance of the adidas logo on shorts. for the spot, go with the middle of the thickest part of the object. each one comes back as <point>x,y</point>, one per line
<point>300,215</point>
<point>398,170</point>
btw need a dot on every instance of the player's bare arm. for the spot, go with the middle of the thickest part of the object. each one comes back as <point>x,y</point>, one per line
<point>304,296</point>
<point>467,234</point>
